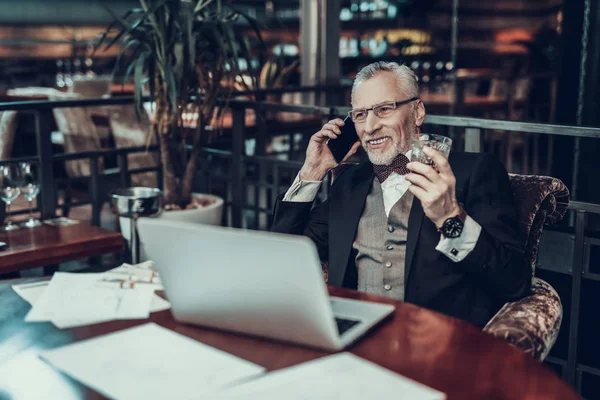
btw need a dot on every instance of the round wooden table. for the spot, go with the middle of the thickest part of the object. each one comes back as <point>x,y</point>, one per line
<point>441,352</point>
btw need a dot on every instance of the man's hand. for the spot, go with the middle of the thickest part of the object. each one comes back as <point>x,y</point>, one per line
<point>436,190</point>
<point>319,159</point>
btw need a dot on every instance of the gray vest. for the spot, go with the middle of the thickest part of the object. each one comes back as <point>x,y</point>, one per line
<point>381,245</point>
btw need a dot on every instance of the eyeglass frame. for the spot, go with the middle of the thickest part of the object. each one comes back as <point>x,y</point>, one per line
<point>396,105</point>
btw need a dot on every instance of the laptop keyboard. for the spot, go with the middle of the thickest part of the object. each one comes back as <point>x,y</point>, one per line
<point>344,324</point>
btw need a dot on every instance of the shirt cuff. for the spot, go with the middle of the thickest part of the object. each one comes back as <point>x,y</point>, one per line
<point>458,248</point>
<point>302,191</point>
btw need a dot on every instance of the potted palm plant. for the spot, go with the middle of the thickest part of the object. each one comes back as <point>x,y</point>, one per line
<point>186,55</point>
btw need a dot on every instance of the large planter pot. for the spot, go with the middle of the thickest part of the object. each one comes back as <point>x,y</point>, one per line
<point>209,215</point>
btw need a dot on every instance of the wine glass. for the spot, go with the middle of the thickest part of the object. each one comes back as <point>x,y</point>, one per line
<point>30,188</point>
<point>9,191</point>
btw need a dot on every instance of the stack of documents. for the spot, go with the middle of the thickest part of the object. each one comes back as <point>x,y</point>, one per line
<point>76,299</point>
<point>150,362</point>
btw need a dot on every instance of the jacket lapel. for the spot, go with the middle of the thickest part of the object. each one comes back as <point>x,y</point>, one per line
<point>415,220</point>
<point>347,205</point>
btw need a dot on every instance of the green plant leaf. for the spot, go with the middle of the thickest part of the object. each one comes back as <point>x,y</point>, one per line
<point>255,25</point>
<point>172,88</point>
<point>138,77</point>
<point>131,67</point>
<point>201,5</point>
<point>103,37</point>
<point>129,70</point>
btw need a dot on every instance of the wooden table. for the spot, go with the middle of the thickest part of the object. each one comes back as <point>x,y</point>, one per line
<point>44,245</point>
<point>439,351</point>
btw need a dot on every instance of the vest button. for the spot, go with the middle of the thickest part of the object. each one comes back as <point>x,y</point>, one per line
<point>390,228</point>
<point>387,287</point>
<point>388,264</point>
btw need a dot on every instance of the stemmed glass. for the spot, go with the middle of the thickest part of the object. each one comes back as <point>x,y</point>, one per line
<point>9,191</point>
<point>30,188</point>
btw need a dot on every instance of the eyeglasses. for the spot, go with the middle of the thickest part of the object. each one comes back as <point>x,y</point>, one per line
<point>380,111</point>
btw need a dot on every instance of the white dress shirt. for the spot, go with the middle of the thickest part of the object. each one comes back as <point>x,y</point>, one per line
<point>393,189</point>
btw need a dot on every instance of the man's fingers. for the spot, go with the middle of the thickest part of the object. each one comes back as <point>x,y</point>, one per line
<point>423,169</point>
<point>438,159</point>
<point>323,136</point>
<point>331,127</point>
<point>420,181</point>
<point>329,131</point>
<point>419,193</point>
<point>328,134</point>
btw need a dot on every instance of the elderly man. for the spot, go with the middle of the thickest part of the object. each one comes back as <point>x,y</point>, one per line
<point>446,238</point>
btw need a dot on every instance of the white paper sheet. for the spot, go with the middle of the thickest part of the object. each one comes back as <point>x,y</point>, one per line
<point>341,376</point>
<point>157,304</point>
<point>75,296</point>
<point>30,292</point>
<point>150,362</point>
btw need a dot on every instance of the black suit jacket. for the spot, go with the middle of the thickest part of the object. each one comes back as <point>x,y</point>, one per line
<point>473,290</point>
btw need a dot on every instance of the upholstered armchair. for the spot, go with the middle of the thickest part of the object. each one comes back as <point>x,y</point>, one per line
<point>532,323</point>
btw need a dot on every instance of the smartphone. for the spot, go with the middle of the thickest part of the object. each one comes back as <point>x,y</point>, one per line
<point>345,140</point>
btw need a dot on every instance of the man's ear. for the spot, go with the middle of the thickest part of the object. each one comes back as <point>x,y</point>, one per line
<point>420,113</point>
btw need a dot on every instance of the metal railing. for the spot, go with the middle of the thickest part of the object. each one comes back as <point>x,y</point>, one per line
<point>250,184</point>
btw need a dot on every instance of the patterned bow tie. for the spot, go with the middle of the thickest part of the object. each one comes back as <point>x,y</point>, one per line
<point>398,165</point>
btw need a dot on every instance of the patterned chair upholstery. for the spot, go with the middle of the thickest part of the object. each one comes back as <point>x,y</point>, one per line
<point>532,323</point>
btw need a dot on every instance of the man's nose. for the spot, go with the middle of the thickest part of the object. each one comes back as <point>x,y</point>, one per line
<point>372,124</point>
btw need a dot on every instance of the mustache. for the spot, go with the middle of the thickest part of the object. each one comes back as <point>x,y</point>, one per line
<point>378,134</point>
<point>366,139</point>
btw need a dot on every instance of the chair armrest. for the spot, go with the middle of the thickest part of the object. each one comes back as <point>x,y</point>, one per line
<point>532,323</point>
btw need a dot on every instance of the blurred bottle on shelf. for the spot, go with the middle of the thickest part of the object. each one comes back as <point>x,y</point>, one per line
<point>448,86</point>
<point>354,50</point>
<point>344,47</point>
<point>345,14</point>
<point>438,77</point>
<point>68,77</point>
<point>77,73</point>
<point>392,11</point>
<point>416,67</point>
<point>60,77</point>
<point>364,10</point>
<point>426,74</point>
<point>377,48</point>
<point>89,65</point>
<point>354,9</point>
<point>449,68</point>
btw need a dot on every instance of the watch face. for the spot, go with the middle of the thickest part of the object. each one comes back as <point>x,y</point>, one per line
<point>453,227</point>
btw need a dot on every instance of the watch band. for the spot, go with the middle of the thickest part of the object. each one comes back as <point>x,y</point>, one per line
<point>462,214</point>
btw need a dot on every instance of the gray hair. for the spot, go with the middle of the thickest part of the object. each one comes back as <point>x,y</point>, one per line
<point>407,79</point>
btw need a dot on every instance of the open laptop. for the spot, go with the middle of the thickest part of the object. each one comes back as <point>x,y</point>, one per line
<point>257,283</point>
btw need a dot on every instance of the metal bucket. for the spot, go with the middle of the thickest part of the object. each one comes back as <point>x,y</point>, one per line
<point>133,203</point>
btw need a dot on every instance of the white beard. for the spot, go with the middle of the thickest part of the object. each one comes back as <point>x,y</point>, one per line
<point>386,157</point>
